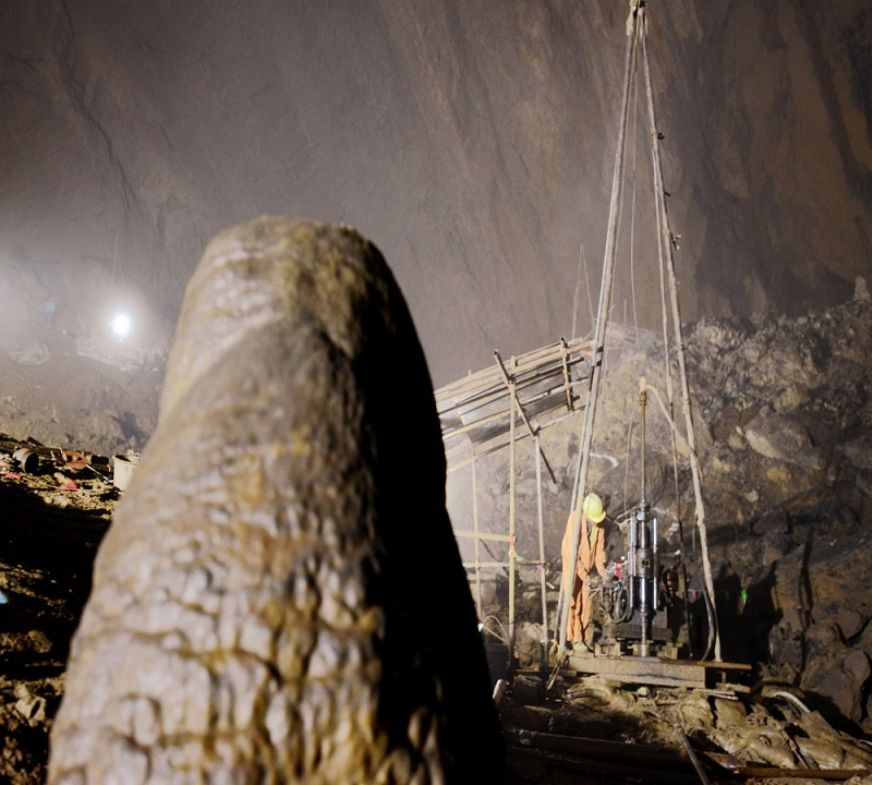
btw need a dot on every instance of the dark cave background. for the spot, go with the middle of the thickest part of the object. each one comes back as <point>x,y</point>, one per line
<point>473,143</point>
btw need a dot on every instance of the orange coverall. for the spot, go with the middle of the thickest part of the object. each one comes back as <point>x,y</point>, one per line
<point>591,554</point>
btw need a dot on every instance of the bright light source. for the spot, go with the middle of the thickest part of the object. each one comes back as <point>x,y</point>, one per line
<point>120,325</point>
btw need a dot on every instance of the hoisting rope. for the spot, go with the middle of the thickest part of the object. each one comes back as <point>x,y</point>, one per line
<point>602,317</point>
<point>666,243</point>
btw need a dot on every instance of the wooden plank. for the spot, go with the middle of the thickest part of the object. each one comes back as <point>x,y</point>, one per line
<point>480,535</point>
<point>771,772</point>
<point>492,393</point>
<point>640,670</point>
<point>605,749</point>
<point>580,351</point>
<point>456,461</point>
<point>592,771</point>
<point>727,666</point>
<point>830,775</point>
<point>703,777</point>
<point>486,565</point>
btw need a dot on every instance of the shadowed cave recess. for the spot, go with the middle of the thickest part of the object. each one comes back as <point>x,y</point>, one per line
<point>474,145</point>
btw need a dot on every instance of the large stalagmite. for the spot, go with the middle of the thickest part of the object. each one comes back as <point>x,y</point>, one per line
<point>280,597</point>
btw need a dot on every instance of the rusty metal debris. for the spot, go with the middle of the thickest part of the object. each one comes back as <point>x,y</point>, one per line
<point>26,459</point>
<point>60,475</point>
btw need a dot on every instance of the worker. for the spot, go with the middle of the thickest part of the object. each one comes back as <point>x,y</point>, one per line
<point>591,556</point>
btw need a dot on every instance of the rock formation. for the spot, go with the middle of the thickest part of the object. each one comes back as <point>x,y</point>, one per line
<point>280,597</point>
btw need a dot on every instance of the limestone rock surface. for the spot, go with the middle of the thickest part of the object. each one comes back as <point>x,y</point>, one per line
<point>280,597</point>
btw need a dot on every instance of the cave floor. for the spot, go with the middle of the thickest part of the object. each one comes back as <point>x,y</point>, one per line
<point>52,522</point>
<point>587,730</point>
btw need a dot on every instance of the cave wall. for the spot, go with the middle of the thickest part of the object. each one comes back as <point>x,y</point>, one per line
<point>473,142</point>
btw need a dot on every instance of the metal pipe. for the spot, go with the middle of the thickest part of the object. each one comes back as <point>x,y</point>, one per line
<point>476,541</point>
<point>561,598</point>
<point>643,399</point>
<point>566,381</point>
<point>673,428</point>
<point>602,314</point>
<point>541,565</point>
<point>646,602</point>
<point>512,524</point>
<point>655,603</point>
<point>514,394</point>
<point>644,557</point>
<point>631,563</point>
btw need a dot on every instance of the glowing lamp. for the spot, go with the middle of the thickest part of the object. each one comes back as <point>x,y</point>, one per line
<point>120,324</point>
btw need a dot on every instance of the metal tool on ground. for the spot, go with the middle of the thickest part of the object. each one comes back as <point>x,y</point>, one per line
<point>27,459</point>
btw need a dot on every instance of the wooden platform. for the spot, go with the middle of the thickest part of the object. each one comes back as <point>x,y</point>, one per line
<point>659,672</point>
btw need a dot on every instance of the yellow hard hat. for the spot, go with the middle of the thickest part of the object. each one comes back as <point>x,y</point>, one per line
<point>593,508</point>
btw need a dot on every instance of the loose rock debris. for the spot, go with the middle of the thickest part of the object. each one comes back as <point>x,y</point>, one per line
<point>55,506</point>
<point>588,728</point>
<point>49,471</point>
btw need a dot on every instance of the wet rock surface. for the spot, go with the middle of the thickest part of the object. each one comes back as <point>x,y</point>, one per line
<point>280,596</point>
